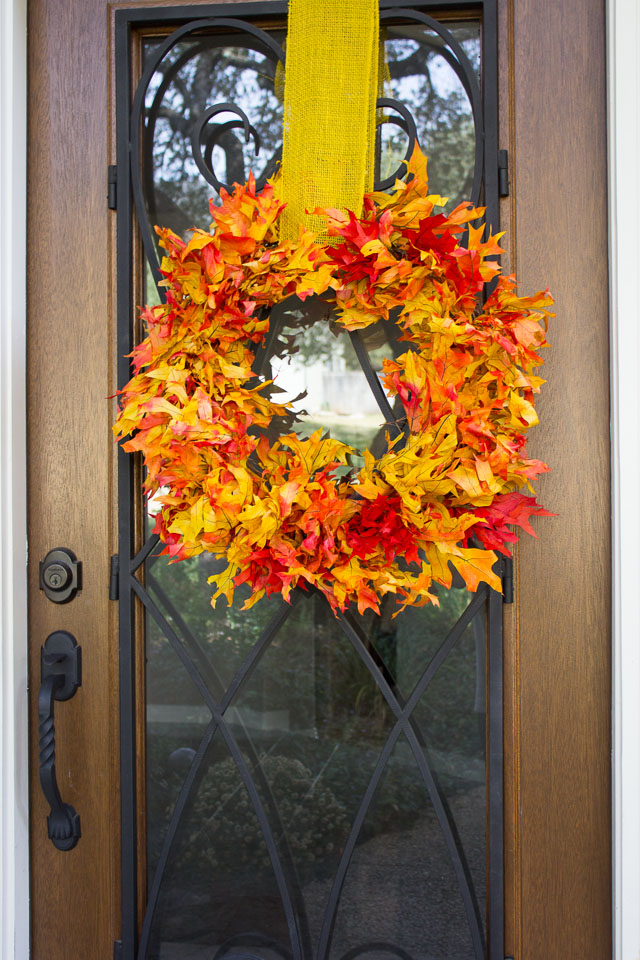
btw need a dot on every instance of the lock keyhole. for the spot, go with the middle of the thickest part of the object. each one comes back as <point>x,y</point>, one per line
<point>60,575</point>
<point>57,576</point>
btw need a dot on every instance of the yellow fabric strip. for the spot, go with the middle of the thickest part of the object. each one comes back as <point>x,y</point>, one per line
<point>331,85</point>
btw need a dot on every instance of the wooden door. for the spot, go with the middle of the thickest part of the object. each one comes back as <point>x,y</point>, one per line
<point>555,85</point>
<point>557,735</point>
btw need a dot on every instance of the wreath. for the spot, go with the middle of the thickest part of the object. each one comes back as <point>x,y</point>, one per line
<point>292,510</point>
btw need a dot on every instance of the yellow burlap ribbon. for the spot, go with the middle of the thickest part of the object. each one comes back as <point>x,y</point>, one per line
<point>331,85</point>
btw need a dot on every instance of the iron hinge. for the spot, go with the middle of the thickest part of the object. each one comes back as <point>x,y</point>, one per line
<point>503,173</point>
<point>112,195</point>
<point>117,950</point>
<point>114,577</point>
<point>507,584</point>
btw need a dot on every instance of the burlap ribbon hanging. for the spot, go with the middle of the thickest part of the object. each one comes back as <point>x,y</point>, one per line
<point>331,85</point>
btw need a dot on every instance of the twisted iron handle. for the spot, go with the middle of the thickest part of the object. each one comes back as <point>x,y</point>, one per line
<point>63,822</point>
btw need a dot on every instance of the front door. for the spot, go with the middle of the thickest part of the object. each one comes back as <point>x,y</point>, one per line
<point>278,783</point>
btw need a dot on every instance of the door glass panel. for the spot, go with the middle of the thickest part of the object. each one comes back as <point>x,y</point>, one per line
<point>312,805</point>
<point>316,786</point>
<point>423,77</point>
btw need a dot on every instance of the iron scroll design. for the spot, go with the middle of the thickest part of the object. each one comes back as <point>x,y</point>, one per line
<point>205,135</point>
<point>219,701</point>
<point>137,115</point>
<point>248,34</point>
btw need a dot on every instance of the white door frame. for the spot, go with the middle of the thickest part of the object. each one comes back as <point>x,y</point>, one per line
<point>14,797</point>
<point>623,76</point>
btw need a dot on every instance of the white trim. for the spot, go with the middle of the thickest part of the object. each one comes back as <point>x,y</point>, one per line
<point>14,815</point>
<point>623,75</point>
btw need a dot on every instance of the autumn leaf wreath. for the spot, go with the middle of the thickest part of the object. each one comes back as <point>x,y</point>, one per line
<point>293,511</point>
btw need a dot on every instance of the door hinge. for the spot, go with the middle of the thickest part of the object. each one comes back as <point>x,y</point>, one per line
<point>503,173</point>
<point>117,950</point>
<point>112,194</point>
<point>114,577</point>
<point>507,584</point>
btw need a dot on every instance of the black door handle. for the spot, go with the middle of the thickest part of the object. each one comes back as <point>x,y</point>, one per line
<point>60,664</point>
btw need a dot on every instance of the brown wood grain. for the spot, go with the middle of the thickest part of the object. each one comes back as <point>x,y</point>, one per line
<point>564,580</point>
<point>73,894</point>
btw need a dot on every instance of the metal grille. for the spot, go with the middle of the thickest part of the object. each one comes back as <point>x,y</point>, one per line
<point>224,735</point>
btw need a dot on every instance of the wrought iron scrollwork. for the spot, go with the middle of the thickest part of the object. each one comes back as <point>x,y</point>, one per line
<point>202,146</point>
<point>406,123</point>
<point>142,123</point>
<point>219,701</point>
<point>216,127</point>
<point>288,887</point>
<point>451,51</point>
<point>205,136</point>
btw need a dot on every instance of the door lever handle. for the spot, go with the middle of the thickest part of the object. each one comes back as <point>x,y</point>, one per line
<point>61,675</point>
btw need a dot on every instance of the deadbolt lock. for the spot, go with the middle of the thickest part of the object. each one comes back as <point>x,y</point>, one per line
<point>60,575</point>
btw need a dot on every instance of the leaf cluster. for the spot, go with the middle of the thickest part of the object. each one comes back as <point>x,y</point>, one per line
<point>286,511</point>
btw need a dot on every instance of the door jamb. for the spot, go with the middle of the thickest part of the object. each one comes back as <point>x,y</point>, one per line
<point>14,787</point>
<point>623,81</point>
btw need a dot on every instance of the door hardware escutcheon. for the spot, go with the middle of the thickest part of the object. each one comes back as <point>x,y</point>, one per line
<point>61,675</point>
<point>60,575</point>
